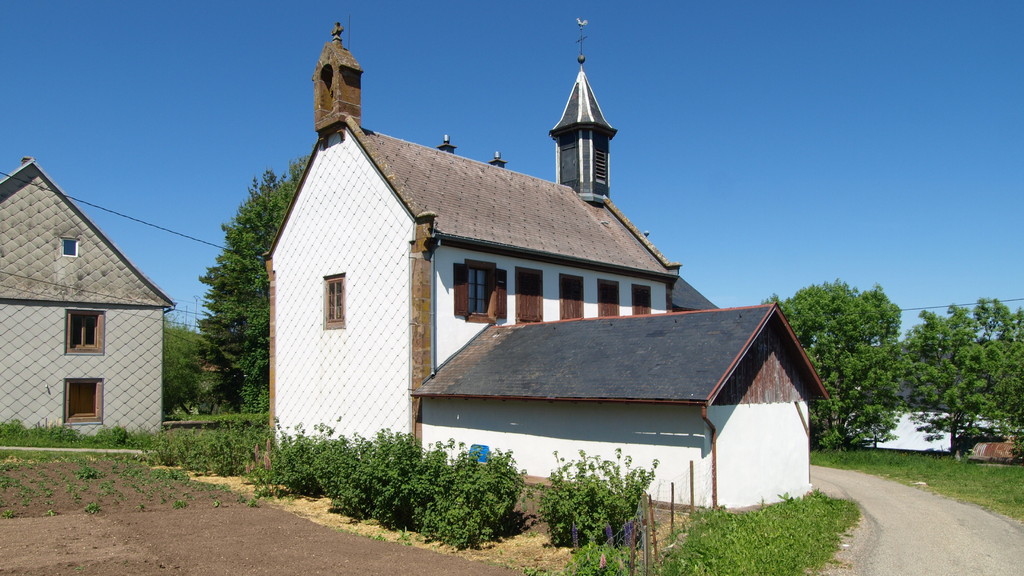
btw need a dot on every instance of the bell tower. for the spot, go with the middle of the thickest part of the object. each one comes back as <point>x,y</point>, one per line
<point>337,91</point>
<point>582,140</point>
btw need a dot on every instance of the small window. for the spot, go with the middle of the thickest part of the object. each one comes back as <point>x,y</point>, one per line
<point>83,401</point>
<point>529,295</point>
<point>570,296</point>
<point>334,301</point>
<point>641,299</point>
<point>479,291</point>
<point>69,247</point>
<point>607,298</point>
<point>84,332</point>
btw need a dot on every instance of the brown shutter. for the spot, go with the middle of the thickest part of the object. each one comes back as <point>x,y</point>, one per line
<point>461,278</point>
<point>501,293</point>
<point>529,295</point>
<point>571,295</point>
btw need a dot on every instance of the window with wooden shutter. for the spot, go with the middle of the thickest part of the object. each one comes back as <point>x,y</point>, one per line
<point>529,295</point>
<point>641,299</point>
<point>83,401</point>
<point>607,298</point>
<point>570,296</point>
<point>334,301</point>
<point>479,291</point>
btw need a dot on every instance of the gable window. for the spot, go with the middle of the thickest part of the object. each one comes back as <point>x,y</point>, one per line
<point>570,296</point>
<point>641,299</point>
<point>83,401</point>
<point>334,301</point>
<point>529,295</point>
<point>84,330</point>
<point>480,291</point>
<point>69,247</point>
<point>607,298</point>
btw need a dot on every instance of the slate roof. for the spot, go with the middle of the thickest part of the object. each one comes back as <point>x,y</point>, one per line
<point>485,204</point>
<point>34,215</point>
<point>582,110</point>
<point>686,297</point>
<point>680,357</point>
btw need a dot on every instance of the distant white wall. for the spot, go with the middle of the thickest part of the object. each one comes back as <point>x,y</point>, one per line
<point>345,220</point>
<point>454,332</point>
<point>763,453</point>
<point>908,437</point>
<point>534,431</point>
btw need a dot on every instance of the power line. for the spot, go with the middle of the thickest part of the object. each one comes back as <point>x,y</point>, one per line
<point>116,213</point>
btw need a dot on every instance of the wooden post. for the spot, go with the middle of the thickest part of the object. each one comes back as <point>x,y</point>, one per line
<point>691,487</point>
<point>672,510</point>
<point>654,536</point>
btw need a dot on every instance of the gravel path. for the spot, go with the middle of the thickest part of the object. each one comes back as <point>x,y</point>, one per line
<point>907,531</point>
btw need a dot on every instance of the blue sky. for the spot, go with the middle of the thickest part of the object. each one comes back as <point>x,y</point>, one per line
<point>766,146</point>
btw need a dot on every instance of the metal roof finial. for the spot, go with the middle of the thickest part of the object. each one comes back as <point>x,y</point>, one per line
<point>581,58</point>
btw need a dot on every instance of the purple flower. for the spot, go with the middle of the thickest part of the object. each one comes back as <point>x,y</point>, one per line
<point>608,534</point>
<point>627,531</point>
<point>575,537</point>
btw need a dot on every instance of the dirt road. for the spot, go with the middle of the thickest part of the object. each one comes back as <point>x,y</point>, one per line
<point>908,531</point>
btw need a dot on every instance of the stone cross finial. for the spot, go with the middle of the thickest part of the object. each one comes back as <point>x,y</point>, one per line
<point>336,33</point>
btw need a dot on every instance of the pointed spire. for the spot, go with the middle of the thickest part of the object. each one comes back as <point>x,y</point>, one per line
<point>583,137</point>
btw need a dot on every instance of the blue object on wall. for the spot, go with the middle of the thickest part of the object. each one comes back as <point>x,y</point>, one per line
<point>480,451</point>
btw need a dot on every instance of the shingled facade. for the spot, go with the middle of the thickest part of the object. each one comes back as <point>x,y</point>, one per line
<point>81,328</point>
<point>395,256</point>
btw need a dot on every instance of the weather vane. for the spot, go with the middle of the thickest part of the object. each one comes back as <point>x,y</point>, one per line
<point>581,24</point>
<point>336,33</point>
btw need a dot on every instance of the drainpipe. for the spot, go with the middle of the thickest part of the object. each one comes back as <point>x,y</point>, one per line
<point>714,455</point>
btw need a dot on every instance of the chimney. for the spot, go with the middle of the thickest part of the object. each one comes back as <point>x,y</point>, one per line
<point>497,161</point>
<point>447,145</point>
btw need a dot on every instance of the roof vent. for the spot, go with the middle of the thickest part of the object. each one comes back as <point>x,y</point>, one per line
<point>27,159</point>
<point>497,161</point>
<point>447,145</point>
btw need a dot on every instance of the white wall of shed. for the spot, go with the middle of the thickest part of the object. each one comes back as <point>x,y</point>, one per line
<point>345,220</point>
<point>763,453</point>
<point>533,431</point>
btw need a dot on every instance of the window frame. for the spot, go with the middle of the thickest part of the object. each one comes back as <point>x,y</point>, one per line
<point>73,386</point>
<point>644,304</point>
<point>334,319</point>
<point>64,245</point>
<point>605,307</point>
<point>99,332</point>
<point>524,302</point>
<point>567,306</point>
<point>495,289</point>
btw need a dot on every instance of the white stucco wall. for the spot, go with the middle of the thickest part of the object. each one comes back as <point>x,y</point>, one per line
<point>345,220</point>
<point>454,332</point>
<point>763,453</point>
<point>534,431</point>
<point>34,365</point>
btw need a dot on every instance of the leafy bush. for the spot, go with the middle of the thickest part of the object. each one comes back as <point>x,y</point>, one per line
<point>14,433</point>
<point>297,458</point>
<point>591,493</point>
<point>474,502</point>
<point>224,450</point>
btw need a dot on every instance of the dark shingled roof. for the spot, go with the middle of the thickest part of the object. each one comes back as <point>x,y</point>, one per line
<point>686,297</point>
<point>678,357</point>
<point>481,203</point>
<point>582,110</point>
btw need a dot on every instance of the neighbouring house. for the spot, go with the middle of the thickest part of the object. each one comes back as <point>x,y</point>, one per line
<point>416,290</point>
<point>81,328</point>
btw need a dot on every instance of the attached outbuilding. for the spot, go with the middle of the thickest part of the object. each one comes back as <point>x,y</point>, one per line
<point>717,397</point>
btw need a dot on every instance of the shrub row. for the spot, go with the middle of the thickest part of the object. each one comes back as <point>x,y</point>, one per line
<point>443,492</point>
<point>14,433</point>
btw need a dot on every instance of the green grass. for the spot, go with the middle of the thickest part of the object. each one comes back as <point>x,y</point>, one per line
<point>786,539</point>
<point>13,433</point>
<point>998,488</point>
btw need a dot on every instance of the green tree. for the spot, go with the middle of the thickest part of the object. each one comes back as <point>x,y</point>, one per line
<point>238,299</point>
<point>965,372</point>
<point>186,383</point>
<point>852,337</point>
